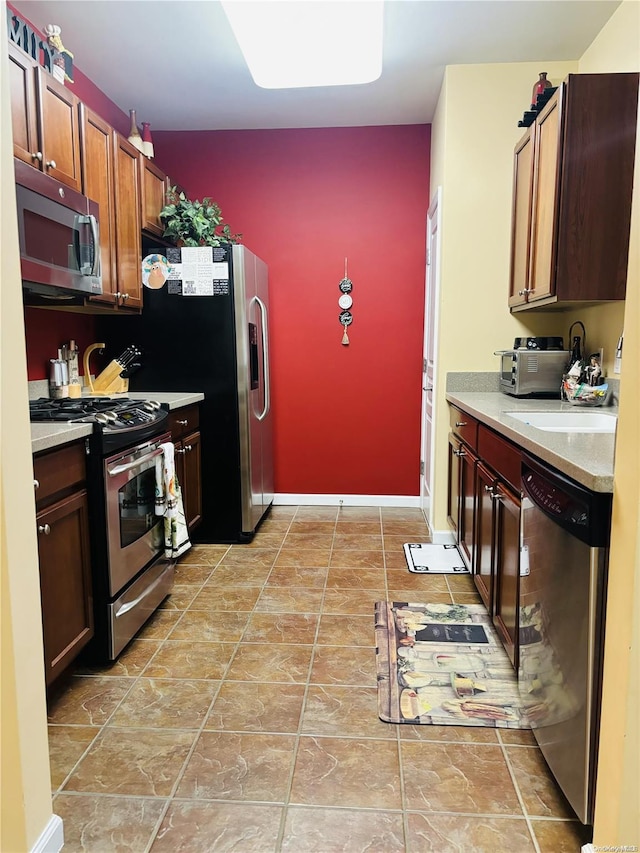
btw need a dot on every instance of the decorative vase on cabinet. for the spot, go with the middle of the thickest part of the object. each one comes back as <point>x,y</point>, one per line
<point>538,88</point>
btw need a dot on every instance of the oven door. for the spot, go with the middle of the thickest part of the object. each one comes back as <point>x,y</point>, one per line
<point>135,534</point>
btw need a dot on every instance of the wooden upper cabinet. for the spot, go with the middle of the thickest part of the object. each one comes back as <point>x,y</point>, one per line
<point>127,222</point>
<point>154,184</point>
<point>582,148</point>
<point>22,80</point>
<point>521,218</point>
<point>545,202</point>
<point>98,183</point>
<point>60,135</point>
<point>44,118</point>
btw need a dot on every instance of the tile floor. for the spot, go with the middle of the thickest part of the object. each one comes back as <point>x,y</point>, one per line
<point>243,717</point>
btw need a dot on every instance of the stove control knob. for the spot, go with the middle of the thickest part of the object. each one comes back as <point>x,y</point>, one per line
<point>154,404</point>
<point>101,418</point>
<point>111,416</point>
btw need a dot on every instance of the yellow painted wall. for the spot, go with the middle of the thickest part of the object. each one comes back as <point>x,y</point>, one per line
<point>473,136</point>
<point>472,146</point>
<point>617,821</point>
<point>25,785</point>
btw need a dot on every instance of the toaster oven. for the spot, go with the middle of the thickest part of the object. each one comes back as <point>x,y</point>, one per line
<point>532,372</point>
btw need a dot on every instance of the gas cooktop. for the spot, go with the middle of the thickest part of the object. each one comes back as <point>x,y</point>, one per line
<point>106,412</point>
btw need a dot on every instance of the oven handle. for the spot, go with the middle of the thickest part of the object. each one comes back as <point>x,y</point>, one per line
<point>136,601</point>
<point>120,469</point>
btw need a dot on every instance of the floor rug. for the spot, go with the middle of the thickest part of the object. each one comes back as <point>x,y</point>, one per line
<point>443,664</point>
<point>429,558</point>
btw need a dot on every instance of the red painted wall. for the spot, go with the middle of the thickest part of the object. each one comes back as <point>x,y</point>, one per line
<point>346,418</point>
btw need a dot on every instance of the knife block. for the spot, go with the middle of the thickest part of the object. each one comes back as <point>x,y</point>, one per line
<point>109,381</point>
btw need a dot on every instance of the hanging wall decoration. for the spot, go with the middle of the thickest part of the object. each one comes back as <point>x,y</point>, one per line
<point>345,302</point>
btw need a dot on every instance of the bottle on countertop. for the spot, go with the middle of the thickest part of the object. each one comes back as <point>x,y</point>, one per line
<point>75,387</point>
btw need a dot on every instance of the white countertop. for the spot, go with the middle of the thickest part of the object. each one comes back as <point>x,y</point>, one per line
<point>585,457</point>
<point>45,436</point>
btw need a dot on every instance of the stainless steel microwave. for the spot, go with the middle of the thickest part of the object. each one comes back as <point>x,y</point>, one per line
<point>532,372</point>
<point>59,235</point>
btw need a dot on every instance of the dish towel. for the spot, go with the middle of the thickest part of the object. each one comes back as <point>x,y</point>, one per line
<point>169,504</point>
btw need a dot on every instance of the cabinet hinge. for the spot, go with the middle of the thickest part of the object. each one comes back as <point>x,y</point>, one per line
<point>422,466</point>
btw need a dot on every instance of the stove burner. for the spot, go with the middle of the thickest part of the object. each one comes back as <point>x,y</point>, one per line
<point>69,410</point>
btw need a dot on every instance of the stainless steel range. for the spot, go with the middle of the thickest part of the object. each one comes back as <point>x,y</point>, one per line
<point>130,573</point>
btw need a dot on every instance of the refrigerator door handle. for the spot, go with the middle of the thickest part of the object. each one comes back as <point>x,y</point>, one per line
<point>265,359</point>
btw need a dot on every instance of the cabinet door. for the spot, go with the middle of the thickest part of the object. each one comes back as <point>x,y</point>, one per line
<point>544,215</point>
<point>521,219</point>
<point>22,80</point>
<point>65,581</point>
<point>453,485</point>
<point>127,222</point>
<point>507,569</point>
<point>192,483</point>
<point>466,530</point>
<point>59,132</point>
<point>153,190</point>
<point>483,569</point>
<point>97,180</point>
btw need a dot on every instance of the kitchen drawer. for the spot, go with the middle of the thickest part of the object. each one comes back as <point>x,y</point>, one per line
<point>60,471</point>
<point>183,421</point>
<point>464,426</point>
<point>500,455</point>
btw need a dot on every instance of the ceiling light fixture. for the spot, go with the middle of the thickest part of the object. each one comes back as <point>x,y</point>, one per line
<point>289,44</point>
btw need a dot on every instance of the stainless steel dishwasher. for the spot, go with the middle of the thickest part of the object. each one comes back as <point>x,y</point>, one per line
<point>564,557</point>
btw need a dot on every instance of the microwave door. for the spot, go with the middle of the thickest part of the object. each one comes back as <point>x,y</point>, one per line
<point>59,242</point>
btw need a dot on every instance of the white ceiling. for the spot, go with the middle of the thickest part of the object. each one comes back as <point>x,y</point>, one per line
<point>177,62</point>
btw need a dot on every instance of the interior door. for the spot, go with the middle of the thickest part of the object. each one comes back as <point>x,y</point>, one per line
<point>432,279</point>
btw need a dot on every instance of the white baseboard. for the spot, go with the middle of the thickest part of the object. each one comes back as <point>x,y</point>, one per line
<point>51,838</point>
<point>442,537</point>
<point>346,500</point>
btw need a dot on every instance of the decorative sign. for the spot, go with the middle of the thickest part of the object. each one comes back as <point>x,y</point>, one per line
<point>346,285</point>
<point>346,318</point>
<point>345,301</point>
<point>50,52</point>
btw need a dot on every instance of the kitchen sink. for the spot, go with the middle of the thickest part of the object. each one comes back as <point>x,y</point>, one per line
<point>567,421</point>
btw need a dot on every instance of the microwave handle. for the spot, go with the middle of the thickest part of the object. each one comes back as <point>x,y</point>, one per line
<point>96,245</point>
<point>503,352</point>
<point>92,222</point>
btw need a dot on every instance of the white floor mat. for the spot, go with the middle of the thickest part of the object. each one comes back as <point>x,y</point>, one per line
<point>431,559</point>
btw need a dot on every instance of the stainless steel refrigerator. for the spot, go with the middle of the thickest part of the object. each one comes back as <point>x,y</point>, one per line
<point>213,338</point>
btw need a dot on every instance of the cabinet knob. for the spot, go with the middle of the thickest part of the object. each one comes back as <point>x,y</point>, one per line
<point>489,490</point>
<point>182,423</point>
<point>461,423</point>
<point>36,484</point>
<point>125,296</point>
<point>181,451</point>
<point>521,293</point>
<point>44,528</point>
<point>37,155</point>
<point>51,164</point>
<point>460,452</point>
<point>188,448</point>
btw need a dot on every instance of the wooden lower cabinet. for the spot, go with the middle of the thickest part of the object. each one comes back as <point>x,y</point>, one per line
<point>184,424</point>
<point>507,568</point>
<point>483,574</point>
<point>65,581</point>
<point>62,518</point>
<point>189,469</point>
<point>484,512</point>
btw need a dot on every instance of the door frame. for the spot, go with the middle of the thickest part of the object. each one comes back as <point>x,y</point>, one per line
<point>431,321</point>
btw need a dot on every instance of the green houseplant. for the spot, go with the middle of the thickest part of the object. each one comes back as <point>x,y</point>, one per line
<point>194,223</point>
